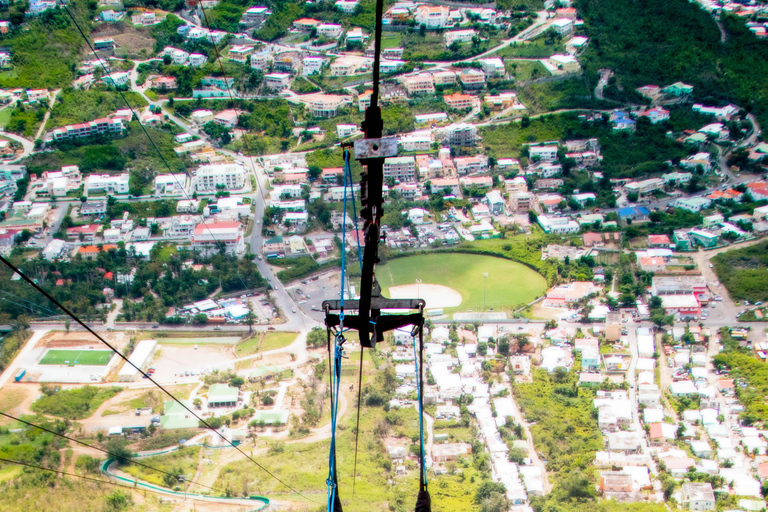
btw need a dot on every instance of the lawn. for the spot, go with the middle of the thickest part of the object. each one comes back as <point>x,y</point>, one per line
<point>81,357</point>
<point>184,459</point>
<point>5,116</point>
<point>74,404</point>
<point>391,40</point>
<point>744,272</point>
<point>464,273</point>
<point>261,342</point>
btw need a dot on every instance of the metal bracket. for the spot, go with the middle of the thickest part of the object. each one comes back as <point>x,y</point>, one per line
<point>375,148</point>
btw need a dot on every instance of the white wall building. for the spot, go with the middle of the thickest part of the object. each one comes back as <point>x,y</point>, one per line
<point>209,178</point>
<point>170,185</point>
<point>107,183</point>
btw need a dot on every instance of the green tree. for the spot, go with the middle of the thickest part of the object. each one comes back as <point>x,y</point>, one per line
<point>317,337</point>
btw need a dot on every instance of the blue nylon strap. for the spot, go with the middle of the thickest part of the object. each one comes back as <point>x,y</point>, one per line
<point>417,363</point>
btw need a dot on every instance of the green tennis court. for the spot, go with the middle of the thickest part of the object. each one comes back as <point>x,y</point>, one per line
<point>79,357</point>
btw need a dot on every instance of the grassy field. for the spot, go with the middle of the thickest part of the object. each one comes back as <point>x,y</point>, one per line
<point>508,284</point>
<point>184,459</point>
<point>81,357</point>
<point>5,116</point>
<point>74,404</point>
<point>261,342</point>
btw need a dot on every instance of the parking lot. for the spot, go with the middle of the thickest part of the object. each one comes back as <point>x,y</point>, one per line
<point>309,294</point>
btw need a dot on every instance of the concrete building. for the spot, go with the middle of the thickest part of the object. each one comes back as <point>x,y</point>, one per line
<point>170,185</point>
<point>461,134</point>
<point>277,81</point>
<point>208,237</point>
<point>210,178</point>
<point>698,496</point>
<point>117,184</point>
<point>401,168</point>
<point>432,17</point>
<point>423,83</point>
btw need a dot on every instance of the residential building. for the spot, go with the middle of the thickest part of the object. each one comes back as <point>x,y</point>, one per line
<point>472,78</point>
<point>563,26</point>
<point>164,83</point>
<point>547,153</point>
<point>200,117</point>
<point>208,237</point>
<point>702,159</point>
<point>346,130</point>
<point>277,81</point>
<point>255,15</point>
<point>459,36</point>
<point>401,168</point>
<point>440,186</point>
<point>226,118</point>
<point>94,207</point>
<point>564,63</point>
<point>558,225</point>
<point>448,452</point>
<point>324,105</point>
<point>493,66</point>
<point>422,83</point>
<point>471,164</point>
<point>311,65</point>
<point>103,126</point>
<point>461,134</point>
<point>459,101</point>
<point>432,16</point>
<point>659,241</point>
<point>240,53</point>
<point>656,115</point>
<point>644,187</point>
<point>170,185</point>
<point>698,496</point>
<point>119,79</point>
<point>676,178</point>
<point>210,178</point>
<point>495,202</point>
<point>444,77</point>
<point>306,24</point>
<point>261,60</point>
<point>678,89</point>
<point>111,184</point>
<point>693,204</point>
<point>416,141</point>
<point>330,30</point>
<point>347,6</point>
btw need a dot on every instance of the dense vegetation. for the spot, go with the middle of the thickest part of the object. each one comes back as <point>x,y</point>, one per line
<point>747,368</point>
<point>72,404</point>
<point>744,272</point>
<point>46,51</point>
<point>164,275</point>
<point>77,106</point>
<point>114,154</point>
<point>664,41</point>
<point>11,343</point>
<point>566,432</point>
<point>624,154</point>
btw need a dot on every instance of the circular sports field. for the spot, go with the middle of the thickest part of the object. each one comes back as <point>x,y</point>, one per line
<point>508,283</point>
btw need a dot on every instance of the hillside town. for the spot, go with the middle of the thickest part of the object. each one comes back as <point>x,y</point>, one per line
<point>588,238</point>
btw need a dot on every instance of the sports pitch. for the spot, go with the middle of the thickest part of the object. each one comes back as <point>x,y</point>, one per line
<point>77,357</point>
<point>508,284</point>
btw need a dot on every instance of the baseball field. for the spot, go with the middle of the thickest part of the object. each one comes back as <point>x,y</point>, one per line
<point>507,284</point>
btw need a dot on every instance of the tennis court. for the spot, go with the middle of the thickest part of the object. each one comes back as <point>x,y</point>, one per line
<point>77,357</point>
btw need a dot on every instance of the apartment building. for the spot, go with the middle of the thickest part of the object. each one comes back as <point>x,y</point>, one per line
<point>472,78</point>
<point>103,126</point>
<point>432,16</point>
<point>461,134</point>
<point>208,237</point>
<point>444,77</point>
<point>401,168</point>
<point>277,81</point>
<point>240,53</point>
<point>423,83</point>
<point>170,185</point>
<point>459,101</point>
<point>323,105</point>
<point>117,184</point>
<point>209,178</point>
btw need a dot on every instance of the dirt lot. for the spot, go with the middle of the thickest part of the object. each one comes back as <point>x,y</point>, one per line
<point>130,40</point>
<point>171,360</point>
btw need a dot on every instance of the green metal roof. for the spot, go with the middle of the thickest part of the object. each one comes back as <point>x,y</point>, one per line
<point>271,417</point>
<point>219,393</point>
<point>261,371</point>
